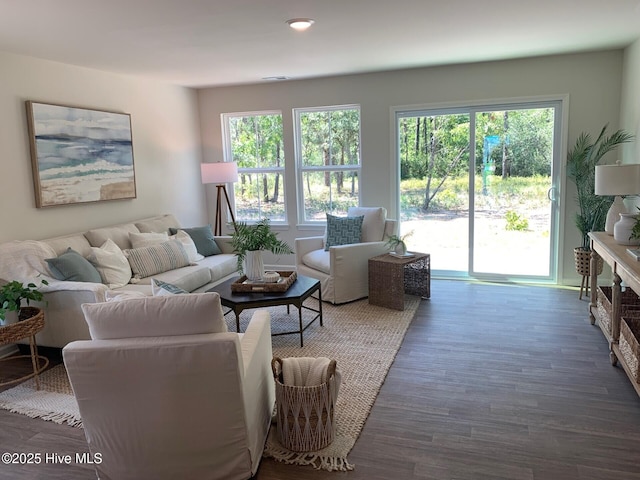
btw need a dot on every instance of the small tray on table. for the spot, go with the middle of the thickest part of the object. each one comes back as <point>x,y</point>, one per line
<point>282,285</point>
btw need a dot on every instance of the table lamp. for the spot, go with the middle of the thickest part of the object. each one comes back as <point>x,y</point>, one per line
<point>220,173</point>
<point>617,180</point>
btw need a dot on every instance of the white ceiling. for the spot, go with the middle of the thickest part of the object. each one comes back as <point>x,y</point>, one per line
<point>221,42</point>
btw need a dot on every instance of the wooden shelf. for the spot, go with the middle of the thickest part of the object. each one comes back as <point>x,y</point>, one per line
<point>625,269</point>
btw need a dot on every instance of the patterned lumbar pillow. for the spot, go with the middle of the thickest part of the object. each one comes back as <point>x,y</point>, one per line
<point>343,230</point>
<point>160,288</point>
<point>147,261</point>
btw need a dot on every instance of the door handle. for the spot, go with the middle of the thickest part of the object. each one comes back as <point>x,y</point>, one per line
<point>551,194</point>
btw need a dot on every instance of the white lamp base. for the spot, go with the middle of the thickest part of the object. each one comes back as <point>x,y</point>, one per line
<point>613,215</point>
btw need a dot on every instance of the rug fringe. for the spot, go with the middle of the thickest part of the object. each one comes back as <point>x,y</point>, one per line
<point>59,418</point>
<point>319,462</point>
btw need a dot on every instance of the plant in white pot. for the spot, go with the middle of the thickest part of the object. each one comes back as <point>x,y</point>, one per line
<point>248,242</point>
<point>398,244</point>
<point>11,296</point>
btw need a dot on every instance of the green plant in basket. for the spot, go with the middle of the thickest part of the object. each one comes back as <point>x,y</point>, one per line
<point>13,293</point>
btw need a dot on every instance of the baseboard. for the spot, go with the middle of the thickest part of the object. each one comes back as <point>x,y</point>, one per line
<point>7,350</point>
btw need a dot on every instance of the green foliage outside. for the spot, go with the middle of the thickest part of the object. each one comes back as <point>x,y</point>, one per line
<point>513,152</point>
<point>330,146</point>
<point>516,222</point>
<point>454,195</point>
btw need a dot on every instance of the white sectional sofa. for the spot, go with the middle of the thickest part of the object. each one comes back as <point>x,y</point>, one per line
<point>64,321</point>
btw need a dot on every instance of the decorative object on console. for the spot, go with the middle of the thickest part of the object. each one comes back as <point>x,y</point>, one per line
<point>248,242</point>
<point>80,155</point>
<point>623,229</point>
<point>220,173</point>
<point>618,180</point>
<point>634,235</point>
<point>592,209</point>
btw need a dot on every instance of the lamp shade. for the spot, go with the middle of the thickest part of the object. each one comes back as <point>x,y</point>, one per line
<point>618,179</point>
<point>220,172</point>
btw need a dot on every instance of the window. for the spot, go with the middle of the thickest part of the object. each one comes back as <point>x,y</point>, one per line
<point>328,160</point>
<point>254,141</point>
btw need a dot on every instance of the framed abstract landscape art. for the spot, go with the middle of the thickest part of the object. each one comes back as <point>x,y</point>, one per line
<point>80,155</point>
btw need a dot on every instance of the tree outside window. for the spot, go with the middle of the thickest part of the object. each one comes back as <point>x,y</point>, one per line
<point>328,160</point>
<point>254,141</point>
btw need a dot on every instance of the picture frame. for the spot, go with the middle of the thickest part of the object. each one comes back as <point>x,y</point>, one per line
<point>80,155</point>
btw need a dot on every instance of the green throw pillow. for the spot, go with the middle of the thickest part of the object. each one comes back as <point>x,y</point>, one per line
<point>343,230</point>
<point>73,267</point>
<point>203,238</point>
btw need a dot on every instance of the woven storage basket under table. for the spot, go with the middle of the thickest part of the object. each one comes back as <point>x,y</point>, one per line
<point>629,344</point>
<point>630,305</point>
<point>305,415</point>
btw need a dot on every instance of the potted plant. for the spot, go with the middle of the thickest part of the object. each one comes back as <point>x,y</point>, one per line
<point>581,169</point>
<point>11,296</point>
<point>397,243</point>
<point>248,242</point>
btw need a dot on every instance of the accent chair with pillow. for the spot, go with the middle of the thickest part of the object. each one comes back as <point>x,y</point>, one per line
<point>166,392</point>
<point>340,259</point>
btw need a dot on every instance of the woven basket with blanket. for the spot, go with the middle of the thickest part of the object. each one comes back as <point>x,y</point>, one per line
<point>306,394</point>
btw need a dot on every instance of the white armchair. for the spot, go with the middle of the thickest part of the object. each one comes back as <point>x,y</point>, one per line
<point>343,270</point>
<point>165,392</point>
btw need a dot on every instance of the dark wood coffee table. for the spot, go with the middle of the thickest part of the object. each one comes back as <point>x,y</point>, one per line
<point>297,293</point>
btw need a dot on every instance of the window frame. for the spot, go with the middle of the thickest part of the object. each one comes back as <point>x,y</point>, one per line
<point>228,157</point>
<point>301,169</point>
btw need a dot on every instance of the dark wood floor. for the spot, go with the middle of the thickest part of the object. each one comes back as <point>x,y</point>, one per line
<point>491,382</point>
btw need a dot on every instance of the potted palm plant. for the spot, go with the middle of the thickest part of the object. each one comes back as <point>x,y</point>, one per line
<point>248,242</point>
<point>11,296</point>
<point>592,209</point>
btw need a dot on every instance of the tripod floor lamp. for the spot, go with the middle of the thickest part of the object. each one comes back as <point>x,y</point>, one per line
<point>220,173</point>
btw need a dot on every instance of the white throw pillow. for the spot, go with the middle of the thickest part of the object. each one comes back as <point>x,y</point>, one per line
<point>111,263</point>
<point>190,314</point>
<point>187,242</point>
<point>139,240</point>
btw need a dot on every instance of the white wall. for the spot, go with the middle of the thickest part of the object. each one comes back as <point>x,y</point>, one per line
<point>593,81</point>
<point>630,104</point>
<point>166,147</point>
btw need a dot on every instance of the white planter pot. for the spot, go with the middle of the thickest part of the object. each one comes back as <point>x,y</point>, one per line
<point>622,229</point>
<point>254,265</point>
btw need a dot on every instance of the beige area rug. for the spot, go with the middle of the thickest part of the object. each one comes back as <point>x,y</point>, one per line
<point>54,401</point>
<point>362,338</point>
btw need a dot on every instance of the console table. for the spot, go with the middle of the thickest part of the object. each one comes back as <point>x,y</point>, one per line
<point>625,269</point>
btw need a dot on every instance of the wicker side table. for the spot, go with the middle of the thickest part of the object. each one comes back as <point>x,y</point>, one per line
<point>23,329</point>
<point>391,277</point>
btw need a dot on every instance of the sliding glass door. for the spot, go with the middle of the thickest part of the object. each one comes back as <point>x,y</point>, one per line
<point>477,189</point>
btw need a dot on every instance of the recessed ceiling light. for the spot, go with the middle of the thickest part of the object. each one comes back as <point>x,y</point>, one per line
<point>300,24</point>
